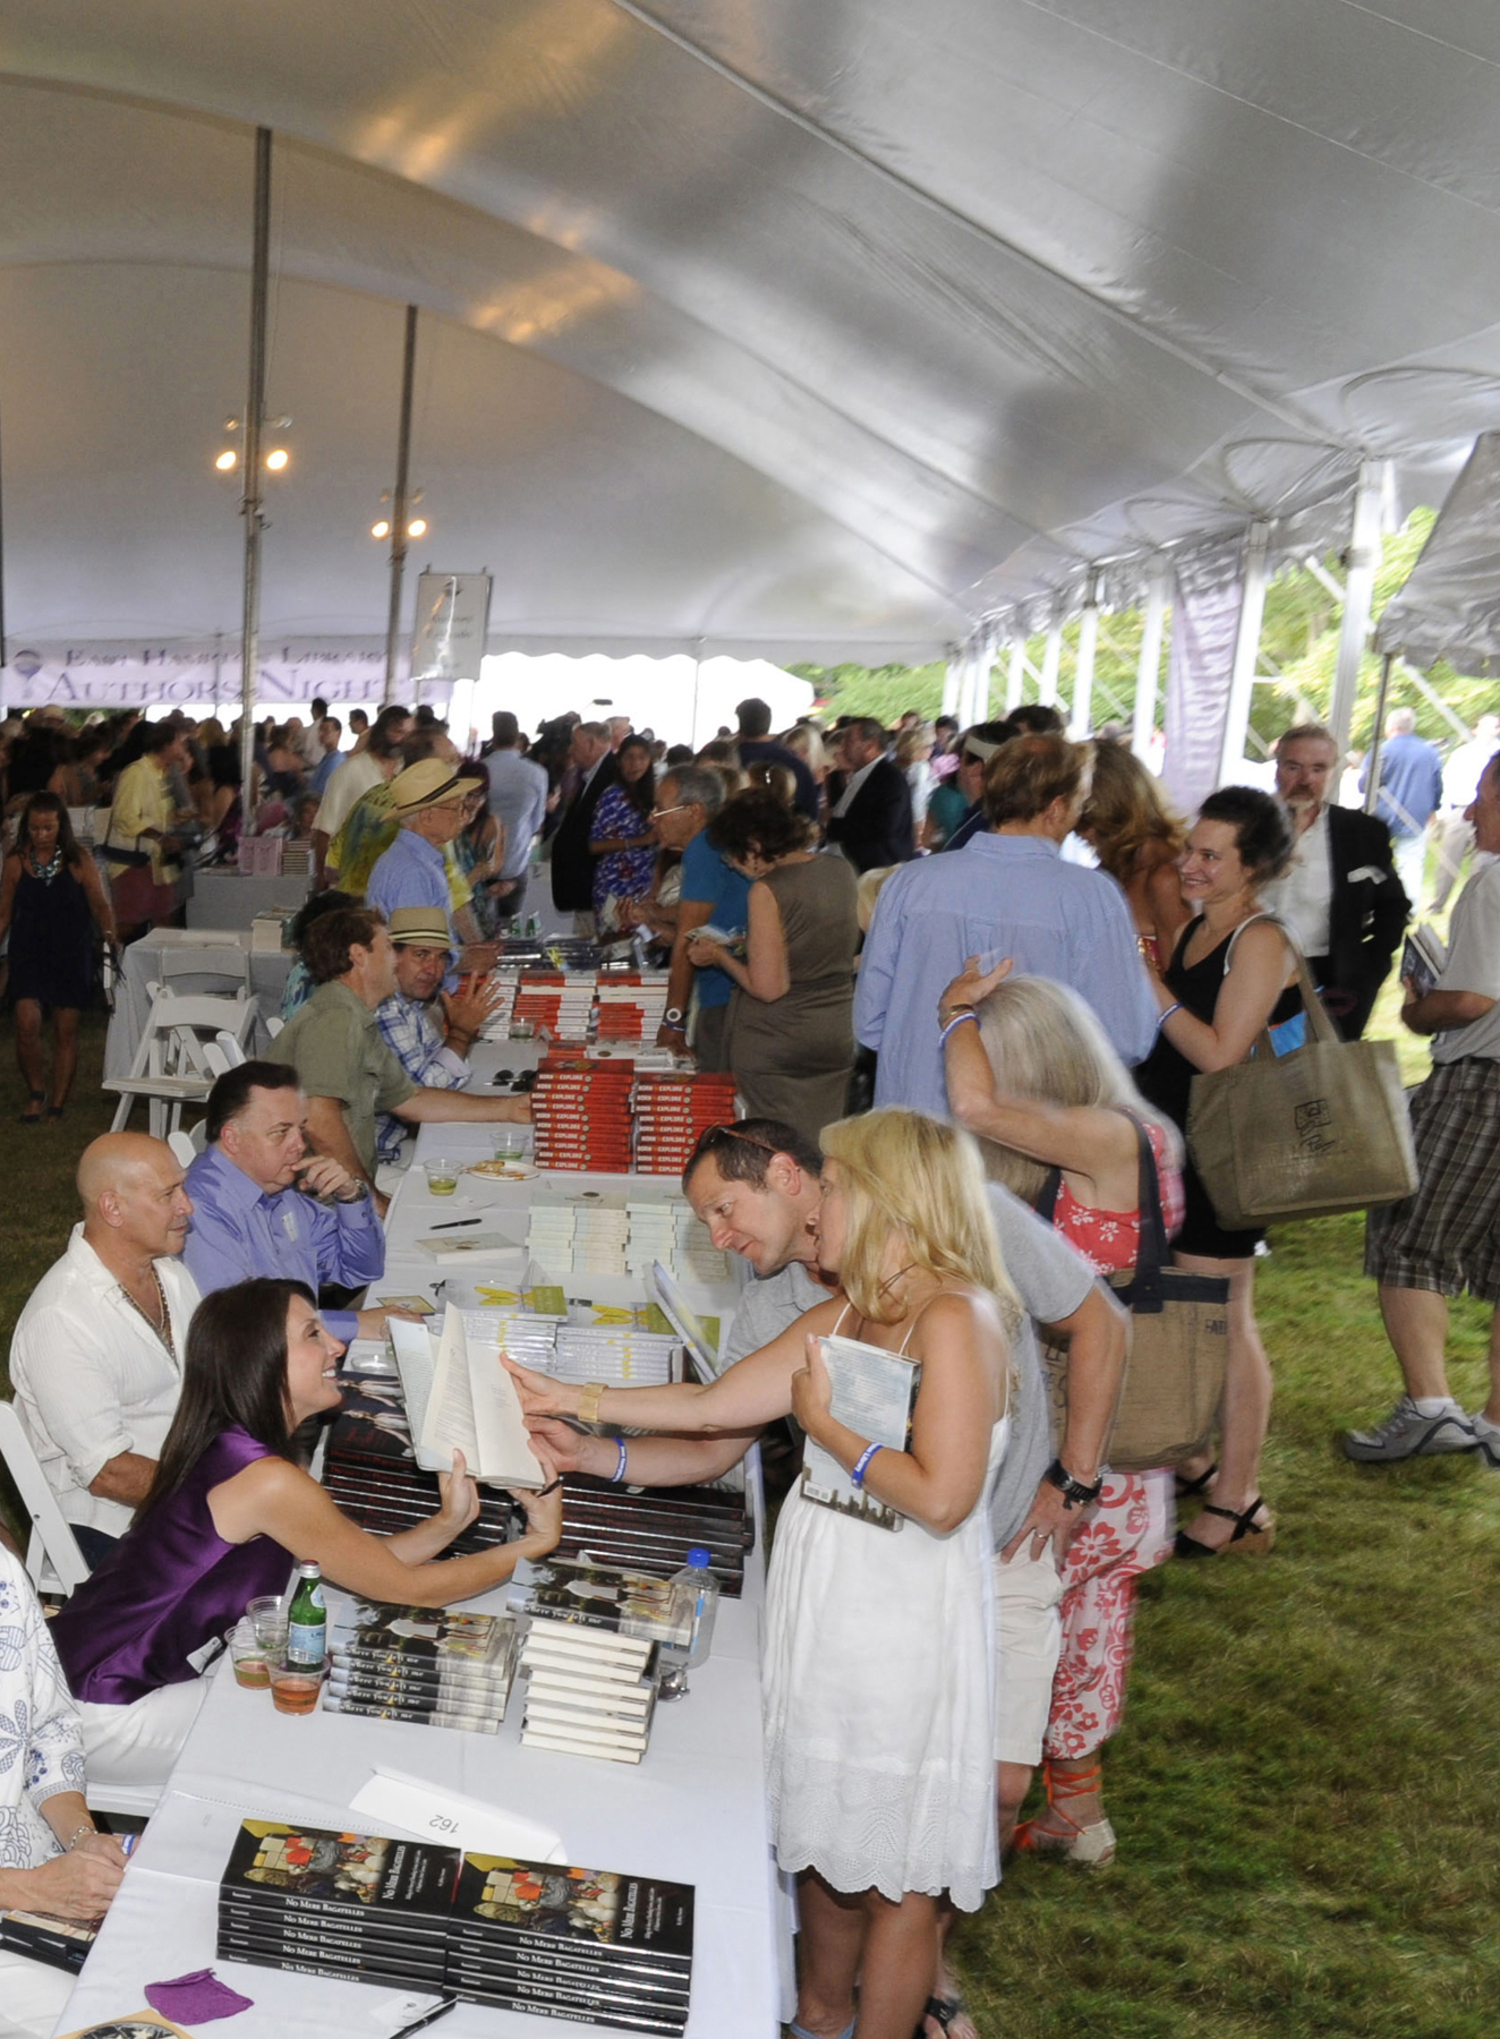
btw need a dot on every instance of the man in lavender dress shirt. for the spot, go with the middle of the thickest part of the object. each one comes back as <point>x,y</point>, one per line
<point>1005,893</point>
<point>248,1220</point>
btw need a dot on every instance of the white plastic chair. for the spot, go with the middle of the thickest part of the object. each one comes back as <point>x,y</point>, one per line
<point>171,1067</point>
<point>53,1560</point>
<point>274,1026</point>
<point>188,1146</point>
<point>232,1050</point>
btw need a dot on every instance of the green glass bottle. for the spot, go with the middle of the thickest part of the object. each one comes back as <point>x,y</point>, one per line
<point>307,1621</point>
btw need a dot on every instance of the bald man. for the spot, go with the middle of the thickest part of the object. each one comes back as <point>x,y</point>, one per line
<point>96,1358</point>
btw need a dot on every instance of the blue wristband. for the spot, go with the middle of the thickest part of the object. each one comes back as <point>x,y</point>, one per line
<point>956,1021</point>
<point>861,1465</point>
<point>619,1472</point>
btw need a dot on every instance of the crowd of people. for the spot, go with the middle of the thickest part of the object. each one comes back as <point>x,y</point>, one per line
<point>965,982</point>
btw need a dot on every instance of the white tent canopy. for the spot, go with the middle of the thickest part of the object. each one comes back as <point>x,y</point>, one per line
<point>777,329</point>
<point>1450,605</point>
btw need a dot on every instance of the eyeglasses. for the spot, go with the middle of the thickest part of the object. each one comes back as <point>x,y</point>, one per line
<point>681,806</point>
<point>716,1134</point>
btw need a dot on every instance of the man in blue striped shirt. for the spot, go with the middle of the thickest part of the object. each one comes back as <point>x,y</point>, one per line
<point>1007,892</point>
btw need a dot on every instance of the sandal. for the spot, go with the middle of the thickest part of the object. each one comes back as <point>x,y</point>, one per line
<point>53,1113</point>
<point>1247,1534</point>
<point>30,1117</point>
<point>1187,1488</point>
<point>942,2010</point>
<point>1093,1846</point>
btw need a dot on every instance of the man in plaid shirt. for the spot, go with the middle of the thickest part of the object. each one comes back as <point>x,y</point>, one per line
<point>428,1030</point>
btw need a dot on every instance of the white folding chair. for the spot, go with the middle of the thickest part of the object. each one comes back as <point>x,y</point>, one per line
<point>232,1050</point>
<point>171,1067</point>
<point>274,1025</point>
<point>53,1559</point>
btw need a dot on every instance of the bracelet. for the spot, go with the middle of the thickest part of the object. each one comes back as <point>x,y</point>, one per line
<point>1168,1014</point>
<point>957,1021</point>
<point>861,1465</point>
<point>72,1842</point>
<point>588,1401</point>
<point>619,1472</point>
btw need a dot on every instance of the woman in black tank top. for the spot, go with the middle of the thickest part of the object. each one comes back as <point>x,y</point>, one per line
<point>1226,981</point>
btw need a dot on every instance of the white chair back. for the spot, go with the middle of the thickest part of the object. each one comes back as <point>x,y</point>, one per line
<point>182,1147</point>
<point>53,1559</point>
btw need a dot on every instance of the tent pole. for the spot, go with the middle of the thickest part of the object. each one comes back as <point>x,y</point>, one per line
<point>250,500</point>
<point>1246,650</point>
<point>1051,660</point>
<point>1015,676</point>
<point>1359,589</point>
<point>1148,668</point>
<point>398,507</point>
<point>953,684</point>
<point>1372,758</point>
<point>1083,671</point>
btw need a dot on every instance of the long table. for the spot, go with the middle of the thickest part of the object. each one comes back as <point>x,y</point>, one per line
<point>693,1811</point>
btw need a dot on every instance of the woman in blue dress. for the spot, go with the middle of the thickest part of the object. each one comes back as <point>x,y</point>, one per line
<point>54,907</point>
<point>621,842</point>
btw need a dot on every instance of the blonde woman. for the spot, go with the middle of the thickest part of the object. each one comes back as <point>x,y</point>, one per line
<point>1055,1114</point>
<point>1139,841</point>
<point>878,1671</point>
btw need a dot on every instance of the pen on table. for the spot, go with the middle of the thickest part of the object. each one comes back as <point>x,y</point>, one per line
<point>453,1224</point>
<point>430,2018</point>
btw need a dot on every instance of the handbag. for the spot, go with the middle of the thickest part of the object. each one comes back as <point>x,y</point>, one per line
<point>1319,1130</point>
<point>1179,1339</point>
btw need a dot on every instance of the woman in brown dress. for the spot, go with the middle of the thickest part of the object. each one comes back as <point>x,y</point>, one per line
<point>791,1032</point>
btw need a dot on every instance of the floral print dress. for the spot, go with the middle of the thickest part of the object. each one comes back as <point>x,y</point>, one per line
<point>41,1742</point>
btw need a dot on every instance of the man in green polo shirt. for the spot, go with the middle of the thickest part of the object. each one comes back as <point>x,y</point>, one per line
<point>334,1043</point>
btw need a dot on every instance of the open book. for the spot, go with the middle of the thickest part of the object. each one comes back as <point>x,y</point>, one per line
<point>874,1393</point>
<point>460,1398</point>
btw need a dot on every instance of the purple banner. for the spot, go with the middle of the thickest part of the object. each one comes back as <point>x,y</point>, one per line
<point>1205,622</point>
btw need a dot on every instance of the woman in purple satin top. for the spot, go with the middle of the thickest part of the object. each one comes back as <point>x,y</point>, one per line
<point>229,1513</point>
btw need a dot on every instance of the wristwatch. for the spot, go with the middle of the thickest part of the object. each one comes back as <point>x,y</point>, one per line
<point>672,1017</point>
<point>1075,1494</point>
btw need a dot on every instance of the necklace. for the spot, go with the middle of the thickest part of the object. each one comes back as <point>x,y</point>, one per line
<point>162,1325</point>
<point>48,871</point>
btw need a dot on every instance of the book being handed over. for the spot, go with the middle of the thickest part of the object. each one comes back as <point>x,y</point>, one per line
<point>874,1393</point>
<point>460,1398</point>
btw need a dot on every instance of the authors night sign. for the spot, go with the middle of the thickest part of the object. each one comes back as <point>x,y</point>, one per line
<point>150,675</point>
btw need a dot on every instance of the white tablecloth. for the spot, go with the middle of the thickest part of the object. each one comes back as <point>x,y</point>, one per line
<point>219,977</point>
<point>230,898</point>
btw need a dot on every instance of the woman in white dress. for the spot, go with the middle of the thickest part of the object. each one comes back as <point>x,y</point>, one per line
<point>878,1650</point>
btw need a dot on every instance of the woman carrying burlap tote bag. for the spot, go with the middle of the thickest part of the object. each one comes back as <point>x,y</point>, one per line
<point>1319,1130</point>
<point>1179,1337</point>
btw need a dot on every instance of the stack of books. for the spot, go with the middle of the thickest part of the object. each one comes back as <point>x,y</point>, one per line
<point>589,1692</point>
<point>55,1942</point>
<point>612,1598</point>
<point>631,1004</point>
<point>670,1114</point>
<point>371,1471</point>
<point>506,980</point>
<point>618,1355</point>
<point>596,1946</point>
<point>652,1529</point>
<point>561,1001</point>
<point>433,1667</point>
<point>586,1944</point>
<point>581,1114</point>
<point>357,1906</point>
<point>668,1229</point>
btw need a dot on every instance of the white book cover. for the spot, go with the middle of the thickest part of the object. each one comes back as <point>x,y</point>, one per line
<point>874,1392</point>
<point>463,1400</point>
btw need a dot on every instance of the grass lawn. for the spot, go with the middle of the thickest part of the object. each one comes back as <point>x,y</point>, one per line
<point>1309,1821</point>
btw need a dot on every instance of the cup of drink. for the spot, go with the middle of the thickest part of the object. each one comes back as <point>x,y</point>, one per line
<point>267,1617</point>
<point>442,1177</point>
<point>295,1687</point>
<point>510,1144</point>
<point>248,1653</point>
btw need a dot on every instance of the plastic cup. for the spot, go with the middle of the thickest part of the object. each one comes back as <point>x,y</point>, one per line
<point>295,1688</point>
<point>268,1618</point>
<point>442,1177</point>
<point>510,1144</point>
<point>251,1664</point>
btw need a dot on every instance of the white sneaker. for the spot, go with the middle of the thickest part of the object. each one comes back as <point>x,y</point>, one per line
<point>1487,1437</point>
<point>1407,1433</point>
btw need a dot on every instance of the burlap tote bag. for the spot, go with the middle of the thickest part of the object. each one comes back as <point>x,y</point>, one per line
<point>1320,1130</point>
<point>1179,1336</point>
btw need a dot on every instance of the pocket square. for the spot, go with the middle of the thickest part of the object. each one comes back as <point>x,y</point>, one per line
<point>1372,871</point>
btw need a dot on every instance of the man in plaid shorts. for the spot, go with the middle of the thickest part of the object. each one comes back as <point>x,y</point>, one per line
<point>1445,1239</point>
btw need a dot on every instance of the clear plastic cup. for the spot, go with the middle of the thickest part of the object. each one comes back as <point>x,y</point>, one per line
<point>510,1144</point>
<point>295,1687</point>
<point>442,1176</point>
<point>248,1653</point>
<point>267,1616</point>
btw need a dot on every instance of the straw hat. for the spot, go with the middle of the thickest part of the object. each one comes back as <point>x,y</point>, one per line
<point>426,926</point>
<point>429,783</point>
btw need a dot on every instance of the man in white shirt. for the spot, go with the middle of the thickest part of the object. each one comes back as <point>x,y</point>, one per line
<point>96,1358</point>
<point>1455,835</point>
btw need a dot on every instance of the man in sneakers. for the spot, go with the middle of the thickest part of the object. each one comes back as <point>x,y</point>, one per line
<point>1445,1239</point>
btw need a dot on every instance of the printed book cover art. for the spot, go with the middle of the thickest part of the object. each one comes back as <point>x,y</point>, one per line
<point>315,1865</point>
<point>607,1596</point>
<point>581,1908</point>
<point>433,1635</point>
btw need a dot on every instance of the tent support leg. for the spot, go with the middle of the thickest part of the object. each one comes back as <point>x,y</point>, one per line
<point>250,500</point>
<point>1083,676</point>
<point>1148,669</point>
<point>1372,760</point>
<point>1015,674</point>
<point>398,507</point>
<point>1359,588</point>
<point>1246,649</point>
<point>954,674</point>
<point>1051,661</point>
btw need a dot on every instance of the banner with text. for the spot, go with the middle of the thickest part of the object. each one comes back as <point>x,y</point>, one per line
<point>171,675</point>
<point>1205,623</point>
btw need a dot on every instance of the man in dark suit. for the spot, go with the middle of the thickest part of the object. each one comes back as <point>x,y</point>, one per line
<point>572,866</point>
<point>1342,896</point>
<point>872,821</point>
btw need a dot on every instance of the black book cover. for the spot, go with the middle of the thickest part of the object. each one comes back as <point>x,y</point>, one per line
<point>429,1636</point>
<point>351,1680</point>
<point>59,1943</point>
<point>267,1920</point>
<point>549,2007</point>
<point>666,1987</point>
<point>605,1596</point>
<point>390,1959</point>
<point>595,1911</point>
<point>352,1875</point>
<point>417,1715</point>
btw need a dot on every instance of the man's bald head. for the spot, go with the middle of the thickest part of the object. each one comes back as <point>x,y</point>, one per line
<point>134,1203</point>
